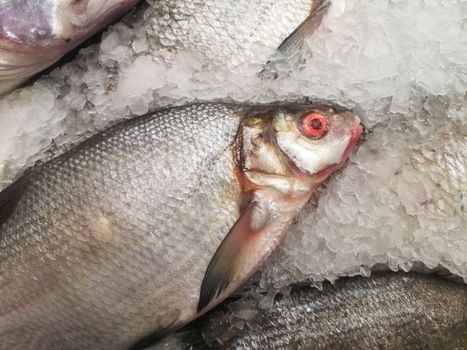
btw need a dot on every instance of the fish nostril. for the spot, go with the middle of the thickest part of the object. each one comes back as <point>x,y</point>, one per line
<point>363,134</point>
<point>363,128</point>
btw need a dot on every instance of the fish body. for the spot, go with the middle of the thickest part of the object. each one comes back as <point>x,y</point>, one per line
<point>384,311</point>
<point>35,34</point>
<point>153,222</point>
<point>231,33</point>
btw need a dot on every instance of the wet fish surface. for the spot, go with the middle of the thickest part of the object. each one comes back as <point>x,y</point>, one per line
<point>232,33</point>
<point>154,221</point>
<point>384,311</point>
<point>35,34</point>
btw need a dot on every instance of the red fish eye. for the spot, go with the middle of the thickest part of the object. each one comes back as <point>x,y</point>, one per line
<point>314,125</point>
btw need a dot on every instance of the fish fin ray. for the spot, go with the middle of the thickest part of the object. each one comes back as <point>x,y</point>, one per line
<point>292,44</point>
<point>10,197</point>
<point>156,336</point>
<point>221,269</point>
<point>306,28</point>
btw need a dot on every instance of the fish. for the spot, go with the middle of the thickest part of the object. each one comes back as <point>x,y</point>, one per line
<point>385,311</point>
<point>34,35</point>
<point>151,223</point>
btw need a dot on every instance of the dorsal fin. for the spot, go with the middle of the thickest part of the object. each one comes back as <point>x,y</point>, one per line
<point>11,195</point>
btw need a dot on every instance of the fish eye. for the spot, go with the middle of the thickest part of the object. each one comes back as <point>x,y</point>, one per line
<point>314,125</point>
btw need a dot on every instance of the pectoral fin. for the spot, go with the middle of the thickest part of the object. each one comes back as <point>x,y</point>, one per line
<point>280,64</point>
<point>10,197</point>
<point>305,29</point>
<point>151,339</point>
<point>230,258</point>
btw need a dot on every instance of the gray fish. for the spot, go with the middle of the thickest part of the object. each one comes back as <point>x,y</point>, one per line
<point>151,223</point>
<point>386,311</point>
<point>35,34</point>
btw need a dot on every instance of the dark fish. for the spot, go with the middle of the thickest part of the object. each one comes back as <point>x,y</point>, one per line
<point>386,311</point>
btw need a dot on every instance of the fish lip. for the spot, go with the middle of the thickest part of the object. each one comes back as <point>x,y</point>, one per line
<point>355,132</point>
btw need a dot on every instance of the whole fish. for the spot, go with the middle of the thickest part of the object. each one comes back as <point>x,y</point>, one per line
<point>35,34</point>
<point>386,311</point>
<point>151,223</point>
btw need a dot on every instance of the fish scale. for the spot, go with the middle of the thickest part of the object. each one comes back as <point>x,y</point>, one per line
<point>387,310</point>
<point>91,260</point>
<point>230,33</point>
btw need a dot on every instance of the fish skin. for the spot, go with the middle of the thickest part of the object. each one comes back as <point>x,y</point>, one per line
<point>230,33</point>
<point>110,241</point>
<point>35,34</point>
<point>385,311</point>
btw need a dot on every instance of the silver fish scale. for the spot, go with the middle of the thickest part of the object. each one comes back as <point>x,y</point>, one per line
<point>231,33</point>
<point>446,167</point>
<point>382,312</point>
<point>80,264</point>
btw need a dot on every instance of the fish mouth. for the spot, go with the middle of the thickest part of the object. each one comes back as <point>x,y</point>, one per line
<point>355,133</point>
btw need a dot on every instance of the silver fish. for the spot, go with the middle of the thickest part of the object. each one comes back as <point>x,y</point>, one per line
<point>386,311</point>
<point>35,34</point>
<point>153,222</point>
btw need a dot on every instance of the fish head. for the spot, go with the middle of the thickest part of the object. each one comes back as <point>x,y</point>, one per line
<point>291,150</point>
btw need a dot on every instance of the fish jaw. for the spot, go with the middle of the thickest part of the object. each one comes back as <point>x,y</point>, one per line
<point>354,137</point>
<point>19,62</point>
<point>58,28</point>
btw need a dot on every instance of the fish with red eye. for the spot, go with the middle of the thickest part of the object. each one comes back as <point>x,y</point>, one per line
<point>314,125</point>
